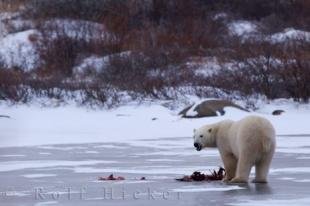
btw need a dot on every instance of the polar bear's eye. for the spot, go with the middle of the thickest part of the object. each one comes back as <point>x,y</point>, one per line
<point>201,136</point>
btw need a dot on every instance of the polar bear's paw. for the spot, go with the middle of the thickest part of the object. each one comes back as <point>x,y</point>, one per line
<point>226,179</point>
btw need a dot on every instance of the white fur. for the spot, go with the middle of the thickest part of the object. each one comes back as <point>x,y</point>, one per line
<point>242,145</point>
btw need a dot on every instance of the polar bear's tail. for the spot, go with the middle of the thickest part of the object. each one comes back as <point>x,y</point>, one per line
<point>267,145</point>
<point>269,142</point>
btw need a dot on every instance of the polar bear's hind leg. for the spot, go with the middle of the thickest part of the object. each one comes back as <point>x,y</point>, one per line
<point>262,169</point>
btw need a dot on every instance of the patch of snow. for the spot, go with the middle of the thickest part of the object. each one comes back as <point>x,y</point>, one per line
<point>63,148</point>
<point>164,160</point>
<point>207,189</point>
<point>286,178</point>
<point>91,152</point>
<point>92,64</point>
<point>17,193</point>
<point>220,16</point>
<point>96,64</point>
<point>45,153</point>
<point>12,155</point>
<point>241,28</point>
<point>110,146</point>
<point>16,50</point>
<point>46,203</point>
<point>39,175</point>
<point>290,34</point>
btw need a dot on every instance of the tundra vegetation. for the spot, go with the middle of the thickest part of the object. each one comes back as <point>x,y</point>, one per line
<point>157,49</point>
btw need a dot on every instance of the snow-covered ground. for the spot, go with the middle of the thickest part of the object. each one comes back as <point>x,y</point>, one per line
<point>33,125</point>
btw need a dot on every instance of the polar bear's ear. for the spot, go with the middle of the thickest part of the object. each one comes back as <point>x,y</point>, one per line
<point>194,130</point>
<point>210,130</point>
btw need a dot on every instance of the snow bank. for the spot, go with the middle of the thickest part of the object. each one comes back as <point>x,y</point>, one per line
<point>32,125</point>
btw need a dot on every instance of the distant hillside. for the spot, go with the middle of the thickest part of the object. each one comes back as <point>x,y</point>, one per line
<point>109,51</point>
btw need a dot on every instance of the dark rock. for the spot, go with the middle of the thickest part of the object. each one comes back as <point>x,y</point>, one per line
<point>185,110</point>
<point>209,108</point>
<point>278,112</point>
<point>4,116</point>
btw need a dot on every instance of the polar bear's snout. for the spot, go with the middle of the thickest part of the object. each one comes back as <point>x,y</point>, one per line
<point>197,146</point>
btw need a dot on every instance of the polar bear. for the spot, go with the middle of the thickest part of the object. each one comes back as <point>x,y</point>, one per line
<point>242,144</point>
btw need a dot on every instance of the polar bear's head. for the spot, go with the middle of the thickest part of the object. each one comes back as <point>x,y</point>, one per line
<point>204,137</point>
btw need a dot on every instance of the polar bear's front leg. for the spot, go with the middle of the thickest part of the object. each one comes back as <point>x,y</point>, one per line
<point>230,164</point>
